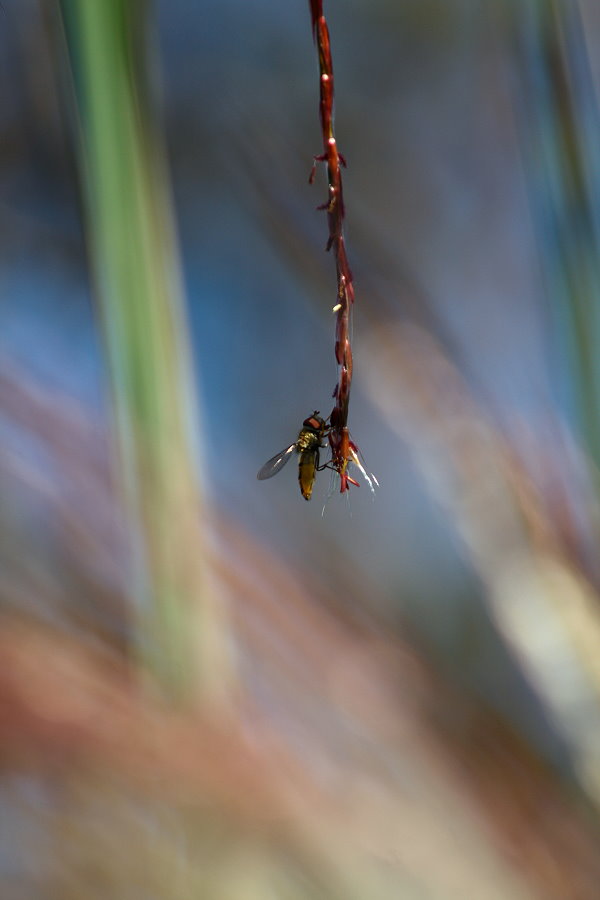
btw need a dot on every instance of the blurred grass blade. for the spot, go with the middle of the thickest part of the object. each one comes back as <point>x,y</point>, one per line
<point>133,250</point>
<point>560,136</point>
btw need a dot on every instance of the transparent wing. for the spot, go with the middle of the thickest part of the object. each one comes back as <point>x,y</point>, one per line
<point>273,466</point>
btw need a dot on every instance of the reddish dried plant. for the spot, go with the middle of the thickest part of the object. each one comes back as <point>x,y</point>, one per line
<point>343,450</point>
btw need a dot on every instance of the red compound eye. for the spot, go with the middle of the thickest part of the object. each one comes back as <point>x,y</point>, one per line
<point>314,422</point>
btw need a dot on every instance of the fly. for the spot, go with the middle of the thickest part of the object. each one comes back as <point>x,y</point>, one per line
<point>307,446</point>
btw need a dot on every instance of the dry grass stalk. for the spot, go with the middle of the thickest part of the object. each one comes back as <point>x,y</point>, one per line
<point>343,450</point>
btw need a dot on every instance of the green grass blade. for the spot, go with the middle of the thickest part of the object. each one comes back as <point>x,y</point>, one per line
<point>136,272</point>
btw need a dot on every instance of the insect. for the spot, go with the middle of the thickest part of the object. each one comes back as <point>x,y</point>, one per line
<point>307,446</point>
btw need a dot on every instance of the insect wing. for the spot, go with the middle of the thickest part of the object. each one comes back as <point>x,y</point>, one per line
<point>274,465</point>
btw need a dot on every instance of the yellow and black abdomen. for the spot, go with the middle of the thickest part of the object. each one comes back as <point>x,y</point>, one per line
<point>308,449</point>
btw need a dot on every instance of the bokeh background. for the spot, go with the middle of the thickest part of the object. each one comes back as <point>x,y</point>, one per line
<point>208,687</point>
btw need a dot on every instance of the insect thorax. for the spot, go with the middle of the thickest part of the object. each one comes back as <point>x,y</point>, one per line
<point>307,440</point>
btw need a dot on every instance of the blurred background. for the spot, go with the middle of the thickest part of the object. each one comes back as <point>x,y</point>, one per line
<point>208,687</point>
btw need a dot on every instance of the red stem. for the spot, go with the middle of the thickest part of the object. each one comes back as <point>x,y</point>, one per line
<point>338,437</point>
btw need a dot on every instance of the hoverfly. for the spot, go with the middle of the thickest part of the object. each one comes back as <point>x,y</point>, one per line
<point>307,446</point>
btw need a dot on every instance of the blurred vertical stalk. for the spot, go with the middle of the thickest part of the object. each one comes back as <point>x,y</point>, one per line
<point>130,232</point>
<point>560,131</point>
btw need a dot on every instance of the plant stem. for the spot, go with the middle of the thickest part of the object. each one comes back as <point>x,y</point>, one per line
<point>339,438</point>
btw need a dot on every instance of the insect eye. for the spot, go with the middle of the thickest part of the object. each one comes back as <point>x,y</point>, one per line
<point>315,423</point>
